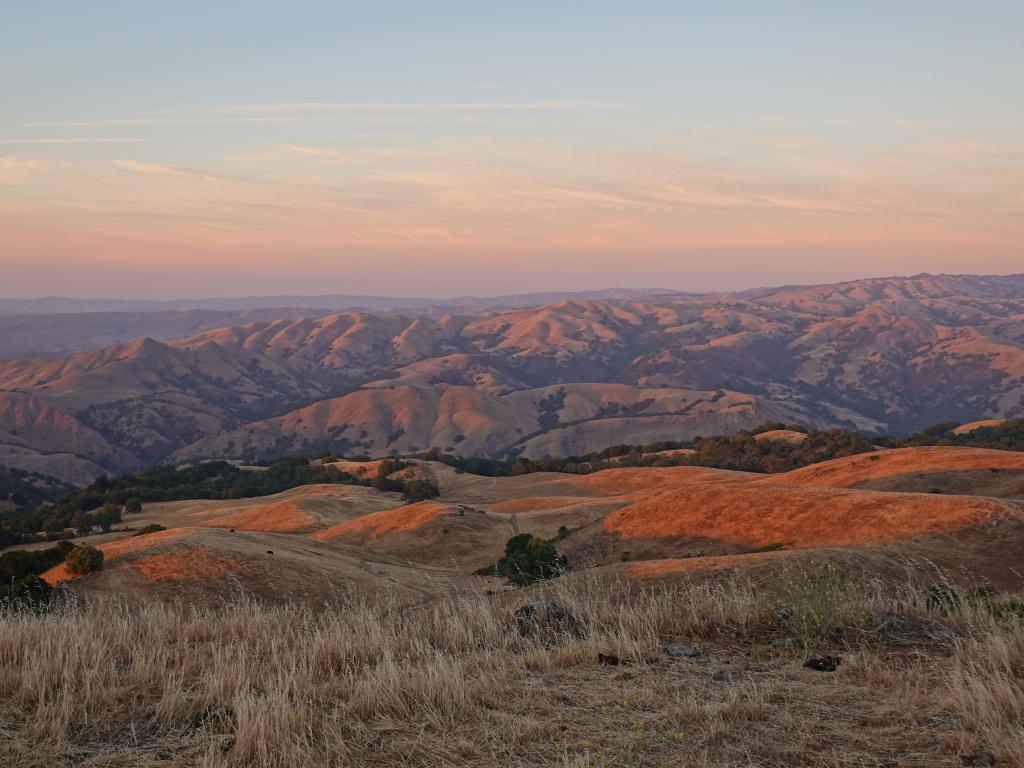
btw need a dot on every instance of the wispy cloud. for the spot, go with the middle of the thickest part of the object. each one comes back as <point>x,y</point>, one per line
<point>420,106</point>
<point>272,112</point>
<point>142,121</point>
<point>74,141</point>
<point>13,170</point>
<point>157,169</point>
<point>321,152</point>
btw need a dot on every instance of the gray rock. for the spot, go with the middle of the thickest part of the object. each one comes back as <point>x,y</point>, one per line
<point>786,643</point>
<point>823,663</point>
<point>943,722</point>
<point>902,629</point>
<point>680,650</point>
<point>981,758</point>
<point>537,616</point>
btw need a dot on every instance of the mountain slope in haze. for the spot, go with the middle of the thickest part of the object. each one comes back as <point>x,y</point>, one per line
<point>336,302</point>
<point>557,420</point>
<point>63,333</point>
<point>55,326</point>
<point>573,376</point>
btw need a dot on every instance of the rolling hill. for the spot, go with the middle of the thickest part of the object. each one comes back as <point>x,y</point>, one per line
<point>310,541</point>
<point>573,376</point>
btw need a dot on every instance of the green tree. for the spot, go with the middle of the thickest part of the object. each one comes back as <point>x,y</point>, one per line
<point>527,559</point>
<point>107,516</point>
<point>53,525</point>
<point>420,489</point>
<point>83,559</point>
<point>81,523</point>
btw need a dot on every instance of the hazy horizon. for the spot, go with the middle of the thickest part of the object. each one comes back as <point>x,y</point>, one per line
<point>200,297</point>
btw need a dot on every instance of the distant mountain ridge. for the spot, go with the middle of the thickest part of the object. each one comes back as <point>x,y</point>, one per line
<point>566,377</point>
<point>325,302</point>
<point>49,327</point>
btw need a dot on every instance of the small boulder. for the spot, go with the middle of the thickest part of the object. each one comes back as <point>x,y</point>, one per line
<point>545,615</point>
<point>902,629</point>
<point>783,612</point>
<point>823,663</point>
<point>981,758</point>
<point>680,650</point>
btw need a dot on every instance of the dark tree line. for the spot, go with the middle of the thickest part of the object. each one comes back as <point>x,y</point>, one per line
<point>740,451</point>
<point>20,585</point>
<point>103,502</point>
<point>1008,436</point>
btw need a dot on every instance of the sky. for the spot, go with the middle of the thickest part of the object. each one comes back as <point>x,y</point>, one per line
<point>162,150</point>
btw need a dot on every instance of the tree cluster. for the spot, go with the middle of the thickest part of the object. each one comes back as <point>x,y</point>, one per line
<point>101,503</point>
<point>1008,436</point>
<point>740,451</point>
<point>20,570</point>
<point>528,559</point>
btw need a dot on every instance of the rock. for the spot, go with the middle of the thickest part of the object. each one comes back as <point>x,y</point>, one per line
<point>823,663</point>
<point>786,643</point>
<point>981,758</point>
<point>680,650</point>
<point>536,615</point>
<point>902,629</point>
<point>609,659</point>
<point>783,612</point>
<point>943,722</point>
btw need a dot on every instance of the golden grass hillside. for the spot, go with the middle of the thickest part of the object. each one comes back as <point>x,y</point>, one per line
<point>865,467</point>
<point>663,520</point>
<point>454,682</point>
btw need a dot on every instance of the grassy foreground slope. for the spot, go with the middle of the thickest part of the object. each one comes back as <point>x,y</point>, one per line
<point>334,625</point>
<point>453,683</point>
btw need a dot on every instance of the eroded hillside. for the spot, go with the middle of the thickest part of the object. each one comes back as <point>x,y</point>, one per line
<point>887,355</point>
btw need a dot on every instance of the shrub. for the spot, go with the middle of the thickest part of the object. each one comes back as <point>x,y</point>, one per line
<point>84,559</point>
<point>420,489</point>
<point>810,602</point>
<point>147,529</point>
<point>527,559</point>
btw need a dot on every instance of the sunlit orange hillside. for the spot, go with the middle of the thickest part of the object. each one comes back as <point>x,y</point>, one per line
<point>667,521</point>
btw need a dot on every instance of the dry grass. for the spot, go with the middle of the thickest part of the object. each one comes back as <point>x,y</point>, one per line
<point>397,520</point>
<point>756,514</point>
<point>850,471</point>
<point>450,683</point>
